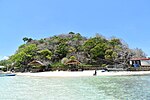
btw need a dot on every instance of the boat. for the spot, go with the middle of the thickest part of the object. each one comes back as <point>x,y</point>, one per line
<point>116,67</point>
<point>10,74</point>
<point>7,74</point>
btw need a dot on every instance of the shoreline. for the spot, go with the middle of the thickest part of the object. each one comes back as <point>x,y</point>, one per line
<point>83,73</point>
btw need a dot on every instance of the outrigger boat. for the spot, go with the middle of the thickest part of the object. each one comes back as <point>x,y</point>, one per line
<point>2,74</point>
<point>7,73</point>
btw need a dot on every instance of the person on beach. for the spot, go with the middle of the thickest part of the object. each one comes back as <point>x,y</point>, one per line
<point>95,73</point>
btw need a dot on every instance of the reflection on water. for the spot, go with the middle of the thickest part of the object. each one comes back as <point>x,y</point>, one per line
<point>78,88</point>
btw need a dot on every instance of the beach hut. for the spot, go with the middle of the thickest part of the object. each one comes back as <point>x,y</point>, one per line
<point>36,66</point>
<point>73,64</point>
<point>36,63</point>
<point>137,62</point>
<point>142,64</point>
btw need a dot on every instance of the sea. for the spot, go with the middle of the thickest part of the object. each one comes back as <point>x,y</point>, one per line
<point>75,88</point>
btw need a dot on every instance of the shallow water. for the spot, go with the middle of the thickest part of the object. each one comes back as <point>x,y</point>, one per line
<point>75,88</point>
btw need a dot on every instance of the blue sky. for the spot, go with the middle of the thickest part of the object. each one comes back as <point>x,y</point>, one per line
<point>125,19</point>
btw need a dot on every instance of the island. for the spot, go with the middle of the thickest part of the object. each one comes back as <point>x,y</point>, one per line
<point>72,53</point>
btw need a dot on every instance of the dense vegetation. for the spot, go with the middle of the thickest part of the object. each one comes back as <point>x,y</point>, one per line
<point>55,51</point>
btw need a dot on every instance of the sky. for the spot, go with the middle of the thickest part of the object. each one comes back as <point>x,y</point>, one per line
<point>125,19</point>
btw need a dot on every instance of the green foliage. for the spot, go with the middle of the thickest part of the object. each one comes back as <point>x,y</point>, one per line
<point>62,50</point>
<point>71,33</point>
<point>41,41</point>
<point>25,39</point>
<point>24,55</point>
<point>28,49</point>
<point>58,65</point>
<point>103,65</point>
<point>72,49</point>
<point>45,54</point>
<point>108,54</point>
<point>48,57</point>
<point>72,58</point>
<point>3,62</point>
<point>114,42</point>
<point>89,44</point>
<point>98,50</point>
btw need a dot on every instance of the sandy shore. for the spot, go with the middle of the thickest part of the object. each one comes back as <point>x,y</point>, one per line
<point>84,73</point>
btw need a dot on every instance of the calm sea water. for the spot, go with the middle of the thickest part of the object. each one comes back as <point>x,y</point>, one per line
<point>79,88</point>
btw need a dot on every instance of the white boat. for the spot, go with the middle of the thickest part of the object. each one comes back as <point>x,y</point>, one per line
<point>117,67</point>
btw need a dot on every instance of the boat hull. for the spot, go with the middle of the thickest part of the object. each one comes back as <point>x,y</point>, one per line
<point>6,74</point>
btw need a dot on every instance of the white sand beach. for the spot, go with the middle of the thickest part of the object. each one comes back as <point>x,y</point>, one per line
<point>83,73</point>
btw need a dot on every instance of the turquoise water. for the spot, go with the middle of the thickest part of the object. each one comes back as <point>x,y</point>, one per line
<point>78,88</point>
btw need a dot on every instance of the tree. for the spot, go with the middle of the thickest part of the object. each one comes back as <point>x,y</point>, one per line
<point>114,47</point>
<point>25,39</point>
<point>23,56</point>
<point>94,48</point>
<point>71,33</point>
<point>72,58</point>
<point>138,53</point>
<point>45,54</point>
<point>98,51</point>
<point>61,50</point>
